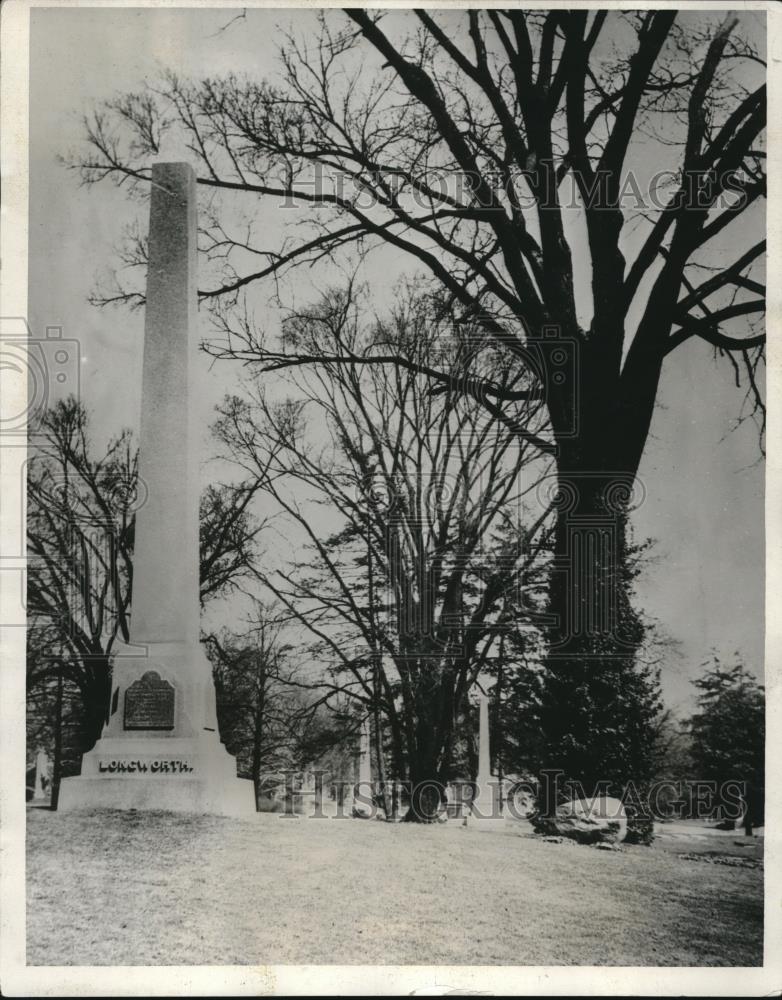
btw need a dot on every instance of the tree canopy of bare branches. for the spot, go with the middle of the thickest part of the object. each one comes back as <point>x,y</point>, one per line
<point>588,185</point>
<point>418,515</point>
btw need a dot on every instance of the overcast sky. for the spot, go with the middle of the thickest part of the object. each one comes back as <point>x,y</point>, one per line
<point>704,486</point>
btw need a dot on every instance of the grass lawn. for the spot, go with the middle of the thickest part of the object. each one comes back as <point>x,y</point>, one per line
<point>124,888</point>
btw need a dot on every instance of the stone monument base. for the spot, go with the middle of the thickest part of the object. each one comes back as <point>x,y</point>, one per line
<point>178,774</point>
<point>485,814</point>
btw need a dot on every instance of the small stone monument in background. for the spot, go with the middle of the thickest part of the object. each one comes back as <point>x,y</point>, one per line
<point>41,774</point>
<point>486,813</point>
<point>361,809</point>
<point>160,747</point>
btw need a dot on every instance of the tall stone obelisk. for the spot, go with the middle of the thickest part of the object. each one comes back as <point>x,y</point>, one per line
<point>160,747</point>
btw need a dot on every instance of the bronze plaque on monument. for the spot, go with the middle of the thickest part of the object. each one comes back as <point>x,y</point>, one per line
<point>149,703</point>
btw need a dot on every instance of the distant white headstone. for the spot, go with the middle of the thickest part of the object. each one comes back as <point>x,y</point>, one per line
<point>41,774</point>
<point>360,807</point>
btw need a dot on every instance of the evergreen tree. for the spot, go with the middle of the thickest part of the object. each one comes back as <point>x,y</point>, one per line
<point>728,731</point>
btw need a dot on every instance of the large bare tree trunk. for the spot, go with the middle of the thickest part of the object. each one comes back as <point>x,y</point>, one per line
<point>594,632</point>
<point>595,700</point>
<point>427,739</point>
<point>427,792</point>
